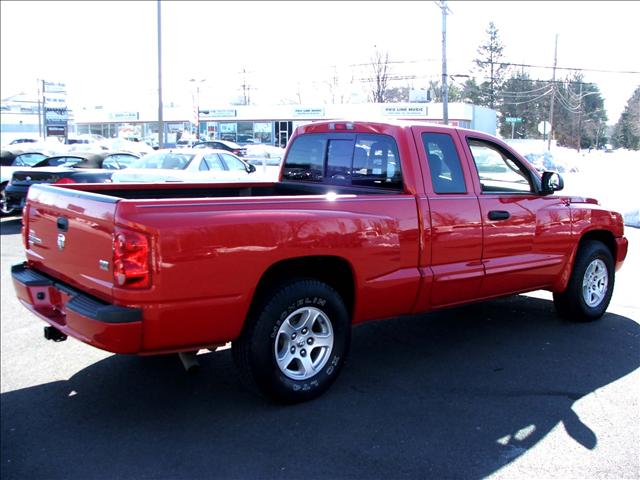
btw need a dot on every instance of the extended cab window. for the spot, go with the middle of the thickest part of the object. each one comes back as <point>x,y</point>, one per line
<point>305,160</point>
<point>444,163</point>
<point>363,160</point>
<point>498,170</point>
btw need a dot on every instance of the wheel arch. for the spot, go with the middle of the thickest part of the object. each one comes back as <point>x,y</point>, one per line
<point>603,236</point>
<point>334,271</point>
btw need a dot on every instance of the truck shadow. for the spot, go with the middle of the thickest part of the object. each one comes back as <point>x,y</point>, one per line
<point>10,226</point>
<point>454,394</point>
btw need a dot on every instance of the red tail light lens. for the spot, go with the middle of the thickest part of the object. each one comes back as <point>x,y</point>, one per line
<point>63,181</point>
<point>25,227</point>
<point>131,267</point>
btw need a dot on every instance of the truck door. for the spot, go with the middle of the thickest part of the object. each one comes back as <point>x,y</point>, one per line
<point>526,235</point>
<point>454,253</point>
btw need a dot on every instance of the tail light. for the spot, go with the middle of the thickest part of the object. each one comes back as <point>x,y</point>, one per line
<point>131,267</point>
<point>25,226</point>
<point>63,181</point>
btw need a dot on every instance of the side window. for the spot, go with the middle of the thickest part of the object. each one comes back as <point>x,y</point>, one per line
<point>118,161</point>
<point>214,162</point>
<point>305,160</point>
<point>498,170</point>
<point>28,159</point>
<point>110,163</point>
<point>233,163</point>
<point>204,167</point>
<point>444,163</point>
<point>376,162</point>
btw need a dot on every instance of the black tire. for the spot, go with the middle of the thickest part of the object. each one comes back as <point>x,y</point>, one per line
<point>580,305</point>
<point>4,210</point>
<point>266,335</point>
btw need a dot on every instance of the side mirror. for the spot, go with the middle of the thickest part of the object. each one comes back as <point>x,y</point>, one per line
<point>551,182</point>
<point>252,168</point>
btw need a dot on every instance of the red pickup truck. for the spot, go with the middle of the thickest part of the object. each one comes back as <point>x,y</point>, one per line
<point>367,221</point>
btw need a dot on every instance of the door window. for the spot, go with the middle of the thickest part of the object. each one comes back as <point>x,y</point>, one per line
<point>233,163</point>
<point>212,162</point>
<point>498,170</point>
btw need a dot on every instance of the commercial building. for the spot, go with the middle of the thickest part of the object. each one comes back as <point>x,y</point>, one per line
<point>271,124</point>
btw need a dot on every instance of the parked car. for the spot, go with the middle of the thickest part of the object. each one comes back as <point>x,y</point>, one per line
<point>222,145</point>
<point>75,167</point>
<point>12,160</point>
<point>546,161</point>
<point>186,164</point>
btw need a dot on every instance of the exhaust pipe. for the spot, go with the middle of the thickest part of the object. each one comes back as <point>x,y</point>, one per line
<point>52,333</point>
<point>189,361</point>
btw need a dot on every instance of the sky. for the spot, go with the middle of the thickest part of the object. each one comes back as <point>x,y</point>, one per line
<point>106,52</point>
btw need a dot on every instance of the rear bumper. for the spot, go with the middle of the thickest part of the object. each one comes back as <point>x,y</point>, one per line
<point>108,327</point>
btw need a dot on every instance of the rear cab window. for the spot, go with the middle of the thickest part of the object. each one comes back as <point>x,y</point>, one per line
<point>357,160</point>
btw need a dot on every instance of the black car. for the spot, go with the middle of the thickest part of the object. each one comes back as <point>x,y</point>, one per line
<point>76,167</point>
<point>13,159</point>
<point>222,145</point>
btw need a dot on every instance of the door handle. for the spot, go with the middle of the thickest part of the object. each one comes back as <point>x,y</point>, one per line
<point>499,215</point>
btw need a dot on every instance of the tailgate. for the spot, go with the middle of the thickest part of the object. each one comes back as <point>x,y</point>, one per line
<point>70,236</point>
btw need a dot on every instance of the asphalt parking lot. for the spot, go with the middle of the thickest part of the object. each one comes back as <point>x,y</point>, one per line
<point>500,389</point>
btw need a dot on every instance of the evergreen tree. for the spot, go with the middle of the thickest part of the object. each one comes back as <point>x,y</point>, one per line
<point>627,130</point>
<point>491,67</point>
<point>471,92</point>
<point>579,115</point>
<point>523,98</point>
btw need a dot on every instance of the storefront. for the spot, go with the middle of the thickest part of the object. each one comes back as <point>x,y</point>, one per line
<point>272,125</point>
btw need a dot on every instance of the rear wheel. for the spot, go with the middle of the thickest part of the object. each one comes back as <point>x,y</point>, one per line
<point>591,284</point>
<point>295,342</point>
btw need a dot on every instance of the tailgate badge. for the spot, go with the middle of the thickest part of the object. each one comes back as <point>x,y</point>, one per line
<point>104,265</point>
<point>61,241</point>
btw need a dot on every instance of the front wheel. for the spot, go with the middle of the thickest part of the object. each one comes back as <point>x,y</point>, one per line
<point>591,284</point>
<point>295,342</point>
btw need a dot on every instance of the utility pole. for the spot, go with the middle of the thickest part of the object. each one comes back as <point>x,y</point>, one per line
<point>246,89</point>
<point>160,119</point>
<point>553,93</point>
<point>39,113</point>
<point>445,88</point>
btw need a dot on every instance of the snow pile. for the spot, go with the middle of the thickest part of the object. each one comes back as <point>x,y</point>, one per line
<point>611,177</point>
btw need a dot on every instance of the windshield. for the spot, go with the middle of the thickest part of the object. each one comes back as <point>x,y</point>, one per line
<point>166,160</point>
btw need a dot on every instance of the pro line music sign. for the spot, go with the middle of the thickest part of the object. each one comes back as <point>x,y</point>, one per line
<point>55,109</point>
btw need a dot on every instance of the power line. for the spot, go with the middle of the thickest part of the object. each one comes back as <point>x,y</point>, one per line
<point>630,72</point>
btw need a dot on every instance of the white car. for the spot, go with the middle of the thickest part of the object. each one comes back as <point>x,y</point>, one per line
<point>186,165</point>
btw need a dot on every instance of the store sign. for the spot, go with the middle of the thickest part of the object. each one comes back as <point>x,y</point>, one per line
<point>308,112</point>
<point>56,131</point>
<point>54,87</point>
<point>405,111</point>
<point>223,113</point>
<point>124,116</point>
<point>56,114</point>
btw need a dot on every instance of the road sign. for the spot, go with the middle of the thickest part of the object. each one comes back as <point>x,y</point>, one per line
<point>544,128</point>
<point>514,120</point>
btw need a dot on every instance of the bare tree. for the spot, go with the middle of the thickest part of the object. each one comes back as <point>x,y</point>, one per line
<point>380,76</point>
